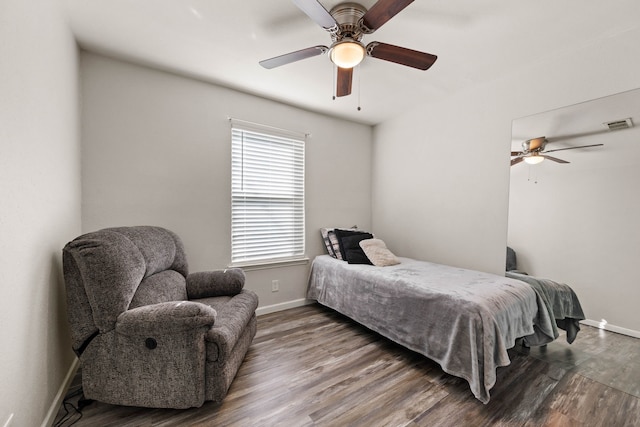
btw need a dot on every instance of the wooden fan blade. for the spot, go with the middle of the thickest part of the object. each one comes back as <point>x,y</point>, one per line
<point>517,153</point>
<point>381,12</point>
<point>572,148</point>
<point>317,12</point>
<point>401,55</point>
<point>345,76</point>
<point>288,58</point>
<point>555,159</point>
<point>516,160</point>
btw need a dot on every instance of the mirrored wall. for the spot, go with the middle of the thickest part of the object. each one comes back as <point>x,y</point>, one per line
<point>578,222</point>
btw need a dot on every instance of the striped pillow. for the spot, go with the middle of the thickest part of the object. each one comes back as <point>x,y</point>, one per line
<point>331,240</point>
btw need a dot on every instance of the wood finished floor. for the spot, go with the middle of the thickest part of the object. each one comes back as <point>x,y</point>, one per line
<point>311,366</point>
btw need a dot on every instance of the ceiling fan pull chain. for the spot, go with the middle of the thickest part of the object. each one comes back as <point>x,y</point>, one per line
<point>334,81</point>
<point>359,88</point>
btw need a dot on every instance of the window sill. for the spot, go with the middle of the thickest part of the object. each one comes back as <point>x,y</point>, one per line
<point>262,265</point>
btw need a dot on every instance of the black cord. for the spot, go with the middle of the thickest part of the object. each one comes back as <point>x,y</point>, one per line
<point>68,415</point>
<point>71,410</point>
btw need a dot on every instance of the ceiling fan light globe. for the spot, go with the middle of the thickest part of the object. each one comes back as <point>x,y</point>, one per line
<point>347,53</point>
<point>534,160</point>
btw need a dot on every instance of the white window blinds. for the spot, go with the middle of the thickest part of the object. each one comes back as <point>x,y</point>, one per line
<point>267,195</point>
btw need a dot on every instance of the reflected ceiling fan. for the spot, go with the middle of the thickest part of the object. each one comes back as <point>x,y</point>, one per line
<point>347,23</point>
<point>533,151</point>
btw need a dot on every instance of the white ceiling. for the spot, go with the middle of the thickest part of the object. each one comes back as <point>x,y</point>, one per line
<point>222,42</point>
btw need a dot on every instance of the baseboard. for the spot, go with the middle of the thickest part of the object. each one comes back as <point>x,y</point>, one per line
<point>613,328</point>
<point>283,306</point>
<point>62,391</point>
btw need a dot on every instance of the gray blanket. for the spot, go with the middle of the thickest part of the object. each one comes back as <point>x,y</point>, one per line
<point>561,302</point>
<point>463,319</point>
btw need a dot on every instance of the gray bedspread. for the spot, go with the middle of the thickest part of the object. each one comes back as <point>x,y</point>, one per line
<point>463,319</point>
<point>561,302</point>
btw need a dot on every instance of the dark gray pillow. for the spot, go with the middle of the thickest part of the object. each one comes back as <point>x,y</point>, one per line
<point>350,245</point>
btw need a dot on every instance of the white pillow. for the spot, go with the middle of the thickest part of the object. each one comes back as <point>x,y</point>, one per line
<point>377,252</point>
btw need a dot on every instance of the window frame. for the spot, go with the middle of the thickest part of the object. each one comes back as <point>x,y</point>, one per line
<point>257,158</point>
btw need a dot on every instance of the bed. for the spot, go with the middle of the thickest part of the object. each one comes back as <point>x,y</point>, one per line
<point>465,320</point>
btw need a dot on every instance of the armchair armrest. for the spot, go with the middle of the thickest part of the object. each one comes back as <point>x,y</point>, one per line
<point>215,283</point>
<point>166,317</point>
<point>159,347</point>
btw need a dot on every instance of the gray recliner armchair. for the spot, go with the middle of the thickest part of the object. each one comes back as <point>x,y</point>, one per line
<point>147,332</point>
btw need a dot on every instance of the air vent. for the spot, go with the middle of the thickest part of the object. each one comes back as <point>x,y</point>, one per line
<point>619,124</point>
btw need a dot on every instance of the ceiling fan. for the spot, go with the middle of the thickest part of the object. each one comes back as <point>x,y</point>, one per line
<point>533,151</point>
<point>347,23</point>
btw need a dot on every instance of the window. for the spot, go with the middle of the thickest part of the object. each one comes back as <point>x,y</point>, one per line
<point>267,195</point>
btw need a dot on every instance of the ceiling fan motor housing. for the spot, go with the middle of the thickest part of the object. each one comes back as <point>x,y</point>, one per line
<point>534,145</point>
<point>348,16</point>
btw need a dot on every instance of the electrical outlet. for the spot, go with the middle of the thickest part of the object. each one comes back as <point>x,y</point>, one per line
<point>275,285</point>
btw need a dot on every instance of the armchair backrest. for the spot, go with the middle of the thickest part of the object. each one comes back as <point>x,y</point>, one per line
<point>109,271</point>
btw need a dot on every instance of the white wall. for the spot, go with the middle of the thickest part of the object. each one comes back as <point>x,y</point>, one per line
<point>441,172</point>
<point>157,150</point>
<point>40,204</point>
<point>437,195</point>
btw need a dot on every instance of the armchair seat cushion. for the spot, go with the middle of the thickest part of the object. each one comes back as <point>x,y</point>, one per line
<point>164,286</point>
<point>233,316</point>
